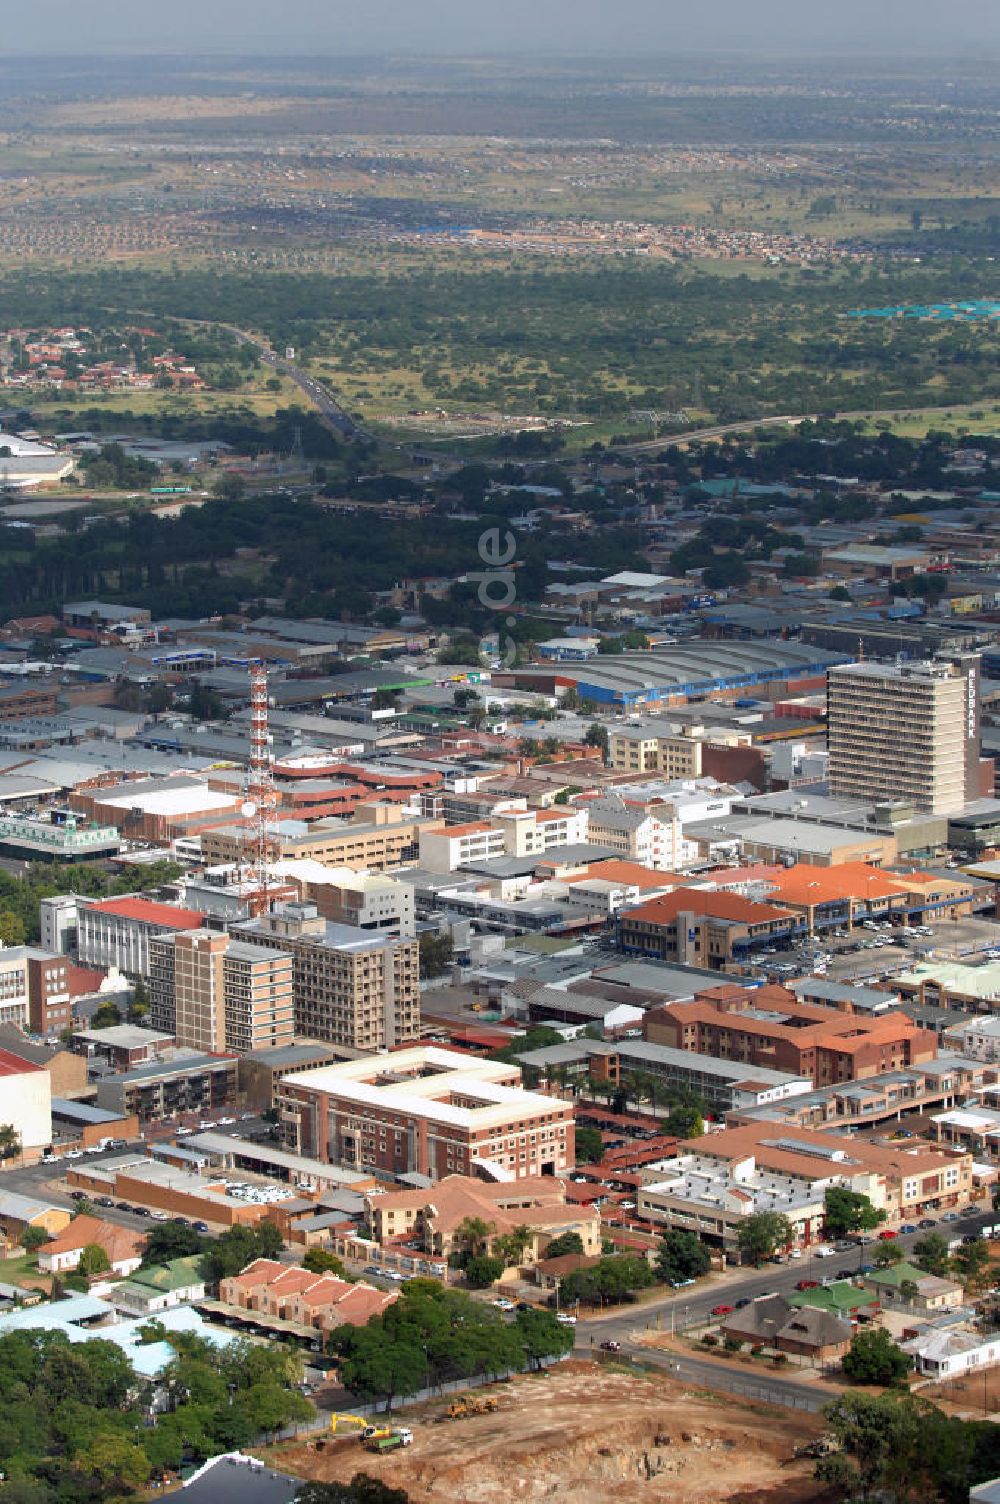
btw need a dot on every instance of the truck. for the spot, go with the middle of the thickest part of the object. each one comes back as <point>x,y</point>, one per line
<point>388,1441</point>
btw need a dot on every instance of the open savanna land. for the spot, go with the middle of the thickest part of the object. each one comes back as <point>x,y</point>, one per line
<point>457,249</point>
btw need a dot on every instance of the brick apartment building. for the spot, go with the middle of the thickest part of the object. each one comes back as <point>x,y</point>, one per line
<point>769,1027</point>
<point>427,1111</point>
<point>287,1292</point>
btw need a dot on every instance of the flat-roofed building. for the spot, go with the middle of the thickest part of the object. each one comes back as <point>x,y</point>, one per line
<point>215,993</point>
<point>723,1178</point>
<point>905,732</point>
<point>359,988</point>
<point>188,1082</point>
<point>430,1111</point>
<point>26,1100</point>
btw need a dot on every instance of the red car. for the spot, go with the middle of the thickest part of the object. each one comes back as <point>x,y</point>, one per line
<point>807,1284</point>
<point>887,1234</point>
<point>722,1310</point>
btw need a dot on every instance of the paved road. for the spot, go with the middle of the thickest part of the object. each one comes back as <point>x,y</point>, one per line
<point>720,430</point>
<point>693,1308</point>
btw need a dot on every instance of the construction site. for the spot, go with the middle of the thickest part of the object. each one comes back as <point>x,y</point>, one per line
<point>580,1432</point>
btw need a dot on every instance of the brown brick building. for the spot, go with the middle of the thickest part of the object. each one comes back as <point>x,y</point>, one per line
<point>768,1027</point>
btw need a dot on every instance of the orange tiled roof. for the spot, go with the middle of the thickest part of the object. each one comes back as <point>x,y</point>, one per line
<point>807,886</point>
<point>707,903</point>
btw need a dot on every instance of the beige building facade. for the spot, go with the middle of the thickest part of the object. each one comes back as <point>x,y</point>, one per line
<point>905,733</point>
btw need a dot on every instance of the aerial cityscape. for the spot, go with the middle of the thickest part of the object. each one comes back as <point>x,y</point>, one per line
<point>499,723</point>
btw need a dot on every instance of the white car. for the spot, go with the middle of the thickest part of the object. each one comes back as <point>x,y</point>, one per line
<point>503,1304</point>
<point>565,1320</point>
<point>226,1122</point>
<point>73,1154</point>
<point>825,1252</point>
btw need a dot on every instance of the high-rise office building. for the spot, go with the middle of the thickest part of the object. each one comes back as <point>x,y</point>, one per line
<point>215,993</point>
<point>352,987</point>
<point>905,733</point>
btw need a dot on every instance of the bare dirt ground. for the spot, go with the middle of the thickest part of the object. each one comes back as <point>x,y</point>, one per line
<point>584,1434</point>
<point>974,1395</point>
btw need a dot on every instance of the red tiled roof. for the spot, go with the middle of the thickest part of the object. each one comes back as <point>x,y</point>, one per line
<point>167,914</point>
<point>13,1065</point>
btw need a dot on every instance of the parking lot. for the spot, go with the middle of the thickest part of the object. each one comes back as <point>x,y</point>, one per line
<point>874,951</point>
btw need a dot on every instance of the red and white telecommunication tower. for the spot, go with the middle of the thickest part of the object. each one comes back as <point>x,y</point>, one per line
<point>260,806</point>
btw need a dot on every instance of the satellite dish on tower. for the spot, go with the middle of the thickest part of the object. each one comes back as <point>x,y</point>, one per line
<point>248,809</point>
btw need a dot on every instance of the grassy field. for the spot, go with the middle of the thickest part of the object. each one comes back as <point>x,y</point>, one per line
<point>257,400</point>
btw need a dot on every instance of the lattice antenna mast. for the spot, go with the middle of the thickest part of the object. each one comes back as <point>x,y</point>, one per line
<point>260,807</point>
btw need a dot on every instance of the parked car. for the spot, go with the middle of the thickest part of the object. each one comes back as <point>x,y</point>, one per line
<point>886,1234</point>
<point>122,1206</point>
<point>950,1217</point>
<point>678,1284</point>
<point>926,1222</point>
<point>201,1227</point>
<point>824,1251</point>
<point>908,1227</point>
<point>142,1211</point>
<point>866,1269</point>
<point>845,1273</point>
<point>611,1346</point>
<point>722,1310</point>
<point>744,1300</point>
<point>503,1304</point>
<point>564,1319</point>
<point>807,1284</point>
<point>104,1201</point>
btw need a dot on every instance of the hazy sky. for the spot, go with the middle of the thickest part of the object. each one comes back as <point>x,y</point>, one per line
<point>636,27</point>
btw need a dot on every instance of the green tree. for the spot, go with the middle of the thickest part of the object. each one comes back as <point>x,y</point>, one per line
<point>596,736</point>
<point>873,1358</point>
<point>229,488</point>
<point>566,1243</point>
<point>107,1016</point>
<point>482,1270</point>
<point>115,1461</point>
<point>909,1290</point>
<point>761,1236</point>
<point>322,1261</point>
<point>970,1260</point>
<point>681,1255</point>
<point>849,1212</point>
<point>436,953</point>
<point>589,1145</point>
<point>10,1141</point>
<point>362,1489</point>
<point>512,1246</point>
<point>543,1336</point>
<point>172,1240</point>
<point>138,1008</point>
<point>12,929</point>
<point>930,1253</point>
<point>887,1254</point>
<point>93,1260</point>
<point>32,1238</point>
<point>610,1281</point>
<point>685,1120</point>
<point>472,1235</point>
